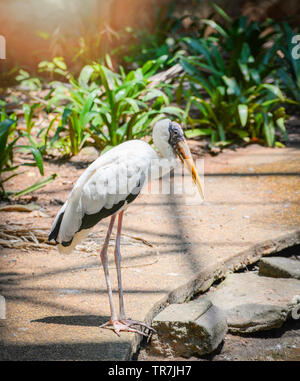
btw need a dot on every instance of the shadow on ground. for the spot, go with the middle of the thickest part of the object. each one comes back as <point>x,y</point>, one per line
<point>65,351</point>
<point>80,320</point>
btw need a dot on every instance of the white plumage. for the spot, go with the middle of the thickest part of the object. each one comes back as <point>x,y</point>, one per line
<point>106,188</point>
<point>107,181</point>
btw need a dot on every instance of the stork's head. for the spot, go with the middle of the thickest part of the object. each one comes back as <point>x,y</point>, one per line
<point>169,138</point>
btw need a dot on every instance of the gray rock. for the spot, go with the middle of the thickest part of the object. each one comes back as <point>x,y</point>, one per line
<point>89,153</point>
<point>253,317</point>
<point>255,303</point>
<point>187,329</point>
<point>279,267</point>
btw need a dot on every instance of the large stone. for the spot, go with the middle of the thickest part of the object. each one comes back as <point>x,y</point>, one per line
<point>255,303</point>
<point>279,267</point>
<point>88,153</point>
<point>187,329</point>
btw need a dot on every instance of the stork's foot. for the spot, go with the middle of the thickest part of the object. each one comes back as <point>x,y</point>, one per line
<point>126,325</point>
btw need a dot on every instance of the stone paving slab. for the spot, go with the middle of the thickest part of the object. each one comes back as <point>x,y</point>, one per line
<point>55,303</point>
<point>253,302</point>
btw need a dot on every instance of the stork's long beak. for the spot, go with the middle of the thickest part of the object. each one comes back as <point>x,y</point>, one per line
<point>185,156</point>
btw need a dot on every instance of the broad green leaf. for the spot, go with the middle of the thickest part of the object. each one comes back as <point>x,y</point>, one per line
<point>38,159</point>
<point>268,129</point>
<point>4,132</point>
<point>232,86</point>
<point>59,61</point>
<point>173,111</point>
<point>132,103</point>
<point>243,114</point>
<point>154,93</point>
<point>108,61</point>
<point>197,132</point>
<point>280,124</point>
<point>279,145</point>
<point>216,26</point>
<point>85,75</point>
<point>241,133</point>
<point>244,70</point>
<point>274,89</point>
<point>37,156</point>
<point>221,132</point>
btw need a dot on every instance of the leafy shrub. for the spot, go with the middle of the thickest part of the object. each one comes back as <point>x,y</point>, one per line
<point>9,137</point>
<point>233,77</point>
<point>244,116</point>
<point>27,82</point>
<point>110,107</point>
<point>56,66</point>
<point>247,47</point>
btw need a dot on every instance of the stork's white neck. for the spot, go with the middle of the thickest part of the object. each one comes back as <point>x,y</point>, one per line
<point>166,157</point>
<point>160,137</point>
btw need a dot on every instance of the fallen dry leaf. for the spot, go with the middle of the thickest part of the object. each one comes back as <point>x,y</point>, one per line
<point>20,208</point>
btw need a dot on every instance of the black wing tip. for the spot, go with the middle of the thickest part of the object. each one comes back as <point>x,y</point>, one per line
<point>54,232</point>
<point>51,236</point>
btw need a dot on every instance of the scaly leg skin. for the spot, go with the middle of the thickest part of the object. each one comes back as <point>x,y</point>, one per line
<point>121,324</point>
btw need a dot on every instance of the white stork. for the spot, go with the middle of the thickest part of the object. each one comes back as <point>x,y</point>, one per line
<point>106,188</point>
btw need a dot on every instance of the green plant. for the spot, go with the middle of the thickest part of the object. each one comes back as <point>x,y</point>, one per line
<point>55,67</point>
<point>232,34</point>
<point>229,91</point>
<point>73,122</point>
<point>110,107</point>
<point>28,82</point>
<point>233,109</point>
<point>29,110</point>
<point>236,50</point>
<point>249,116</point>
<point>9,137</point>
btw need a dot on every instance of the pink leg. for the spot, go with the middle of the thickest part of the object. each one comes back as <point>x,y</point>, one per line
<point>118,266</point>
<point>122,317</point>
<point>117,324</point>
<point>103,256</point>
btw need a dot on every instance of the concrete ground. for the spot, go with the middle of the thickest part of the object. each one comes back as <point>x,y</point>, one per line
<point>55,303</point>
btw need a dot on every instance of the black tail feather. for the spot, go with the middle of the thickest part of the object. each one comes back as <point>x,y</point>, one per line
<point>54,232</point>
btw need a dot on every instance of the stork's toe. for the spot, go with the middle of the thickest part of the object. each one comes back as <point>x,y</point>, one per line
<point>129,322</point>
<point>125,325</point>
